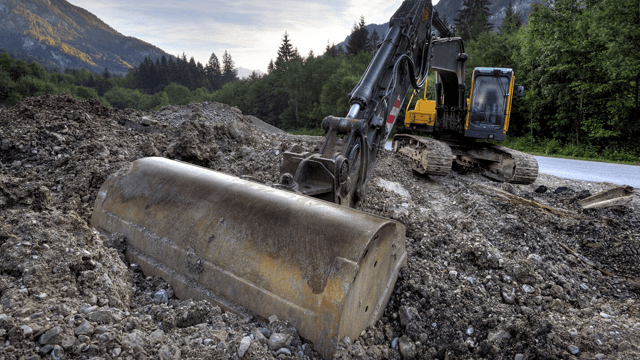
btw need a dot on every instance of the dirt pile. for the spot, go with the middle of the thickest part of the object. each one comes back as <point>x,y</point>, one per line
<point>487,277</point>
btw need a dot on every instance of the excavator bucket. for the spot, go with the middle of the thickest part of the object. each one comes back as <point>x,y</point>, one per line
<point>327,269</point>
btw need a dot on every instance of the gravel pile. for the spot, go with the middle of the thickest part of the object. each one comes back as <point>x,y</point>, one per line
<point>487,277</point>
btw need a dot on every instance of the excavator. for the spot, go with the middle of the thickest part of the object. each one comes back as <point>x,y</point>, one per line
<point>298,249</point>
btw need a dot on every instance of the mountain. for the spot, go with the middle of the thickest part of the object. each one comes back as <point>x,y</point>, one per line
<point>69,37</point>
<point>449,9</point>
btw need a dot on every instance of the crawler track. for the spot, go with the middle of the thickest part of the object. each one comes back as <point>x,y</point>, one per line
<point>435,157</point>
<point>429,156</point>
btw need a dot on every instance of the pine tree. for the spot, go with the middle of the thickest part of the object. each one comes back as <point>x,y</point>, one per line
<point>286,53</point>
<point>359,38</point>
<point>511,21</point>
<point>229,72</point>
<point>374,39</point>
<point>473,19</point>
<point>331,50</point>
<point>213,73</point>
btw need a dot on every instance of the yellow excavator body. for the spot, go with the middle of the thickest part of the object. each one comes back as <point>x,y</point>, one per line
<point>423,114</point>
<point>327,269</point>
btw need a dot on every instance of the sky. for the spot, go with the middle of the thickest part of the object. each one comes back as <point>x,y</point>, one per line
<point>251,31</point>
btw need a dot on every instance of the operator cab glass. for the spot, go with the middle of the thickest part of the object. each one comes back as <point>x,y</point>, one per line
<point>490,98</point>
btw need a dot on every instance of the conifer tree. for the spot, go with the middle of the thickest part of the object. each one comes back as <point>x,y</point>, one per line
<point>229,72</point>
<point>374,39</point>
<point>511,21</point>
<point>331,50</point>
<point>213,72</point>
<point>286,52</point>
<point>473,19</point>
<point>359,38</point>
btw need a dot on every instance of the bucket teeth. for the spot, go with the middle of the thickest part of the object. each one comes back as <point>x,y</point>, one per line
<point>327,269</point>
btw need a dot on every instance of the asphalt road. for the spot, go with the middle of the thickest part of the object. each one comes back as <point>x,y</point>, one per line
<point>586,170</point>
<point>590,171</point>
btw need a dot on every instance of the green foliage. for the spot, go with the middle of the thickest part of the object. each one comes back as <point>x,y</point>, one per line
<point>512,20</point>
<point>473,19</point>
<point>359,38</point>
<point>178,94</point>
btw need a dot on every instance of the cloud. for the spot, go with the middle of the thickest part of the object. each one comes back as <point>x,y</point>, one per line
<point>251,31</point>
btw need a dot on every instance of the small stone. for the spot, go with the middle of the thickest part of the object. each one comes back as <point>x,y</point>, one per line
<point>605,315</point>
<point>272,319</point>
<point>573,332</point>
<point>470,331</point>
<point>528,288</point>
<point>453,274</point>
<point>278,340</point>
<point>51,336</point>
<point>157,335</point>
<point>33,357</point>
<point>535,257</point>
<point>84,339</point>
<point>509,297</point>
<point>57,353</point>
<point>68,342</point>
<point>561,189</point>
<point>26,330</point>
<point>407,348</point>
<point>207,342</point>
<point>407,315</point>
<point>84,329</point>
<point>284,351</point>
<point>161,297</point>
<point>244,346</point>
<point>116,352</point>
<point>519,357</point>
<point>394,343</point>
<point>541,190</point>
<point>104,316</point>
<point>87,309</point>
<point>496,337</point>
<point>258,336</point>
<point>45,349</point>
<point>599,356</point>
<point>573,349</point>
<point>221,335</point>
<point>625,346</point>
<point>102,329</point>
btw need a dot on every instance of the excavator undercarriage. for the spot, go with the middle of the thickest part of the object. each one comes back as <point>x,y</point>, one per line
<point>436,157</point>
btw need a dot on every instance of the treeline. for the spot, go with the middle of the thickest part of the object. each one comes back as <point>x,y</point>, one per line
<point>149,86</point>
<point>152,77</point>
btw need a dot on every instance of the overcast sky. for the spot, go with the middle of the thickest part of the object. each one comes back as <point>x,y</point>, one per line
<point>250,31</point>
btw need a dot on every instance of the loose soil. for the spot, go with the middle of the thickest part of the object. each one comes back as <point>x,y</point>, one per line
<point>487,277</point>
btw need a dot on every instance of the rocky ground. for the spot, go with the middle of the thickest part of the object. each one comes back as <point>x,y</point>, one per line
<point>489,275</point>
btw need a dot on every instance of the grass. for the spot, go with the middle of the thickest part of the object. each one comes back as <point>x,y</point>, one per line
<point>553,148</point>
<point>307,131</point>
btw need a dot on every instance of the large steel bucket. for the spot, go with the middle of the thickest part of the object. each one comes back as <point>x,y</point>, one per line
<point>327,269</point>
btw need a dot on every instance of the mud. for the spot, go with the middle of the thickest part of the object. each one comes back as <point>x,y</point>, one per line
<point>487,277</point>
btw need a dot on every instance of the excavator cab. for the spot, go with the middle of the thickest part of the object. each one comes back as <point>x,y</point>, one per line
<point>490,103</point>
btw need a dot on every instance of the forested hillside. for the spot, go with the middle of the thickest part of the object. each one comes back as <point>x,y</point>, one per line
<point>581,72</point>
<point>69,36</point>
